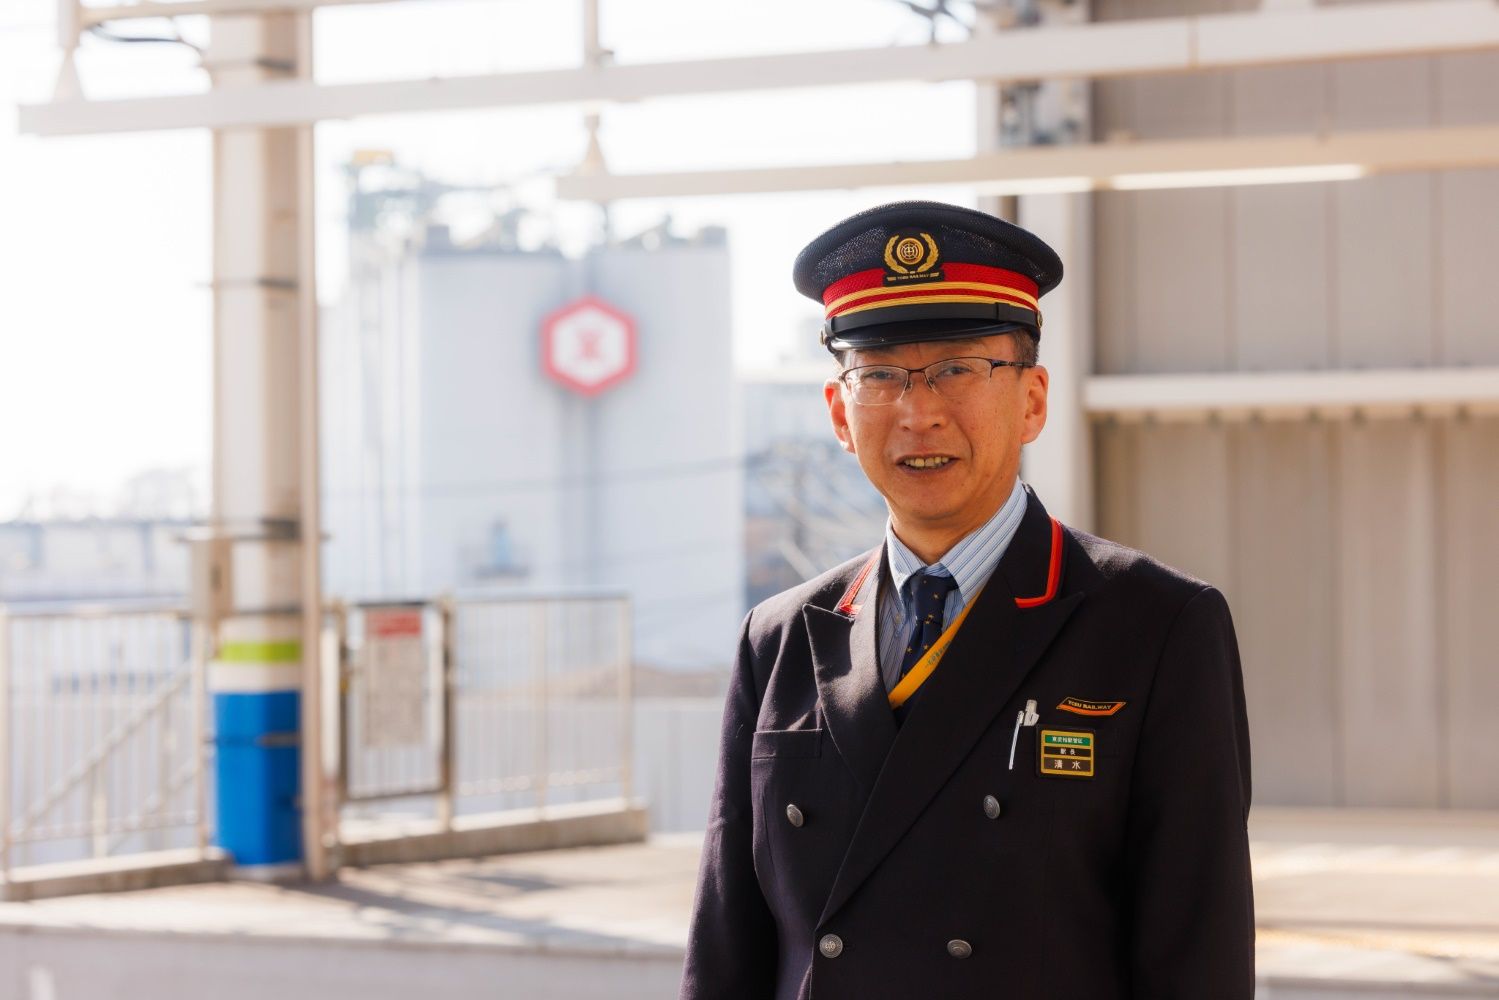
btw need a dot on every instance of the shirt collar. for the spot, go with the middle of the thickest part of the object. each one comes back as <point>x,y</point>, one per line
<point>972,559</point>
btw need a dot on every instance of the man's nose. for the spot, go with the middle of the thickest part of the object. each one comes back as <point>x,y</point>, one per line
<point>921,408</point>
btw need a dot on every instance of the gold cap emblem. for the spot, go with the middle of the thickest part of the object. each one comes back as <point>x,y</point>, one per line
<point>911,254</point>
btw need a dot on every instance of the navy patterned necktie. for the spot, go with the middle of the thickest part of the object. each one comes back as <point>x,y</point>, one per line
<point>931,593</point>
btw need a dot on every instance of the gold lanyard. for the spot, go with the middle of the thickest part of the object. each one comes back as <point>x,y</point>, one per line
<point>918,674</point>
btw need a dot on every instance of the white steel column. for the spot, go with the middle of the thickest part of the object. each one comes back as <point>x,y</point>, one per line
<point>319,780</point>
<point>988,106</point>
<point>1060,462</point>
<point>6,760</point>
<point>264,372</point>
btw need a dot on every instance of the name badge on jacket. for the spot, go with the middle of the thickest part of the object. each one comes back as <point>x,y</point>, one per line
<point>1067,753</point>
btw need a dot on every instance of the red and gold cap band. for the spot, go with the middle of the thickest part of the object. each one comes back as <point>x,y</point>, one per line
<point>960,283</point>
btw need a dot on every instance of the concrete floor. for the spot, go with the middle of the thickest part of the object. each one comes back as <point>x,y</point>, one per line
<point>1351,904</point>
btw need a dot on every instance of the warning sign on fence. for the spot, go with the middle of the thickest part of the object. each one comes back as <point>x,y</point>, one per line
<point>394,681</point>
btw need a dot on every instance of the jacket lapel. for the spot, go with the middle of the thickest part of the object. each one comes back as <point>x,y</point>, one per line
<point>845,658</point>
<point>994,650</point>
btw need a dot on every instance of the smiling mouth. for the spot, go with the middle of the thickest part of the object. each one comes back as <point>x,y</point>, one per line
<point>932,462</point>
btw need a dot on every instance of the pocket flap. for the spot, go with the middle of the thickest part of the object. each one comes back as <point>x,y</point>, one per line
<point>787,743</point>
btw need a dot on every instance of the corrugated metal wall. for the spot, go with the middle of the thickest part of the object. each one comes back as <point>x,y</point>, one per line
<point>1361,558</point>
<point>1360,562</point>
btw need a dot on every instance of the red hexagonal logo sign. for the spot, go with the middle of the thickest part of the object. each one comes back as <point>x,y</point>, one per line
<point>588,345</point>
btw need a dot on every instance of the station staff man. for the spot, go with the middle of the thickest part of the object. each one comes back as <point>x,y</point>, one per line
<point>996,756</point>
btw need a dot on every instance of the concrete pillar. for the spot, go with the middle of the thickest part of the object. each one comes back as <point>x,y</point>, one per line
<point>262,303</point>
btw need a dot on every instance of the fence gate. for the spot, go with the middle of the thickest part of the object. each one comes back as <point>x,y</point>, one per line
<point>395,709</point>
<point>510,702</point>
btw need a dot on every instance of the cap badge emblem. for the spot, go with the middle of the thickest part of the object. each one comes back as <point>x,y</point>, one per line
<point>911,257</point>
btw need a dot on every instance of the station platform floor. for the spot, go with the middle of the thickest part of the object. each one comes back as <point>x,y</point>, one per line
<point>1351,904</point>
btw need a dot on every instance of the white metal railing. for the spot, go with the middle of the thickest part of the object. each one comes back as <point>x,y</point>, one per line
<point>544,693</point>
<point>516,702</point>
<point>102,734</point>
<point>519,703</point>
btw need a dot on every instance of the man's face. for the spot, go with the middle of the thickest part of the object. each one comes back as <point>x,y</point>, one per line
<point>979,435</point>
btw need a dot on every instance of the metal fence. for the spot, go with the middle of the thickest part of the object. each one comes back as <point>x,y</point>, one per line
<point>488,703</point>
<point>543,709</point>
<point>102,734</point>
<point>454,706</point>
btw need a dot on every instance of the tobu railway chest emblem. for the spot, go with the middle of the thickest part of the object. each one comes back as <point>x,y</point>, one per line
<point>1067,753</point>
<point>1079,706</point>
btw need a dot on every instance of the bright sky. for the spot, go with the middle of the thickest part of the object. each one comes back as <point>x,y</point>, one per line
<point>105,318</point>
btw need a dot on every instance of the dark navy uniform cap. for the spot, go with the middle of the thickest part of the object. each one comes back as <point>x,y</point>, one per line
<point>922,270</point>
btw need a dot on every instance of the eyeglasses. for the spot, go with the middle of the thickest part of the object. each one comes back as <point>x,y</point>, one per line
<point>953,378</point>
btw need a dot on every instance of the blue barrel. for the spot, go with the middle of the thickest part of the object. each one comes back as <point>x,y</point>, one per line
<point>258,773</point>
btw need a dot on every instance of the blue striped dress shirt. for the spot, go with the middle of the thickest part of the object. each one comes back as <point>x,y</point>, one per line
<point>970,562</point>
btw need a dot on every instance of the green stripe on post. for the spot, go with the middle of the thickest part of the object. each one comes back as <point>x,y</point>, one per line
<point>261,652</point>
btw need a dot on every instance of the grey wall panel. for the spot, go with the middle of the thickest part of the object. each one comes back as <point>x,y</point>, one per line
<point>1115,282</point>
<point>1383,93</point>
<point>1467,249</point>
<point>1184,502</point>
<point>1399,260</point>
<point>1181,269</point>
<point>1466,85</point>
<point>1182,105</point>
<point>1111,106</point>
<point>1361,560</point>
<point>1270,100</point>
<point>1114,467</point>
<point>1284,610</point>
<point>1383,271</point>
<point>1470,596</point>
<point>1392,747</point>
<point>1109,10</point>
<point>1126,10</point>
<point>1281,298</point>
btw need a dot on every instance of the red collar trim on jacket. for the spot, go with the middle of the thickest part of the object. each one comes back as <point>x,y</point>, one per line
<point>847,606</point>
<point>846,603</point>
<point>1053,571</point>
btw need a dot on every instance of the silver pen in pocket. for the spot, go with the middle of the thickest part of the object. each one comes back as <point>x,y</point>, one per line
<point>1028,717</point>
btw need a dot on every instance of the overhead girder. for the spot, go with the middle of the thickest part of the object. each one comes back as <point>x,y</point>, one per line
<point>1091,50</point>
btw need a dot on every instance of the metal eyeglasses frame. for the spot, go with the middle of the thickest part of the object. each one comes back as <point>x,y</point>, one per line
<point>926,372</point>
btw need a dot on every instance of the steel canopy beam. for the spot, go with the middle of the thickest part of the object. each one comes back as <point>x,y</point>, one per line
<point>1394,392</point>
<point>1103,49</point>
<point>1091,166</point>
<point>88,16</point>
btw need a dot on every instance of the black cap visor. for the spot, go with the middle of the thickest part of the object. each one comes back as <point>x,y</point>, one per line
<point>862,331</point>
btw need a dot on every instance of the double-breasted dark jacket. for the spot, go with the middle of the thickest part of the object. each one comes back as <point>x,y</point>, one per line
<point>848,857</point>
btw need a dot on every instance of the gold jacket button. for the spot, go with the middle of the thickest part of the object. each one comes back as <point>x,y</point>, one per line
<point>795,815</point>
<point>831,945</point>
<point>991,807</point>
<point>958,948</point>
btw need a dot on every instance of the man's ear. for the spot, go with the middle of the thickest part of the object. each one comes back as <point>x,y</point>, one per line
<point>832,392</point>
<point>1034,417</point>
